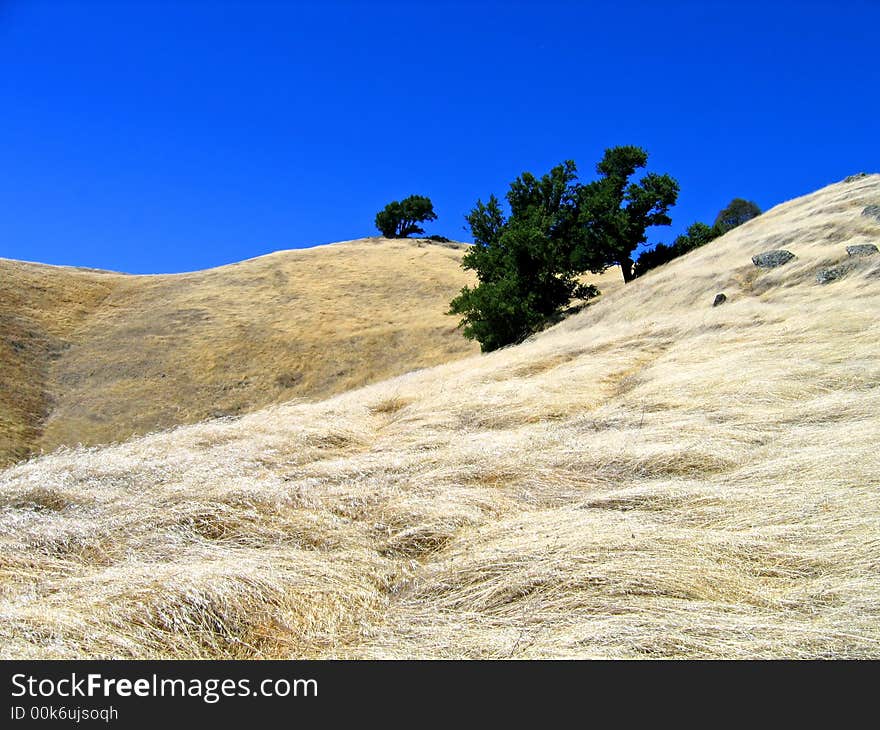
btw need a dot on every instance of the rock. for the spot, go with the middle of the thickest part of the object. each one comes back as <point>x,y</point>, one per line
<point>857,176</point>
<point>833,274</point>
<point>772,259</point>
<point>719,299</point>
<point>862,249</point>
<point>872,211</point>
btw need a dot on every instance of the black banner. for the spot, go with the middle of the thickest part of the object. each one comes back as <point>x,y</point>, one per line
<point>282,694</point>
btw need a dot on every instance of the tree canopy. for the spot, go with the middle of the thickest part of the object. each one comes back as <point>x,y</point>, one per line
<point>400,218</point>
<point>617,212</point>
<point>528,262</point>
<point>523,261</point>
<point>737,212</point>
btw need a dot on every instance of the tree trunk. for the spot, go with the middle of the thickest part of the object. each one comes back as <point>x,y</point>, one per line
<point>626,266</point>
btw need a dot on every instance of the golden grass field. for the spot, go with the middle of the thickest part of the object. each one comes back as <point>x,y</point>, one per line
<point>653,477</point>
<point>92,357</point>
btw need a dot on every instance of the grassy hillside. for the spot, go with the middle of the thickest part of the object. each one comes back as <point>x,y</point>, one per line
<point>92,357</point>
<point>653,477</point>
<point>42,309</point>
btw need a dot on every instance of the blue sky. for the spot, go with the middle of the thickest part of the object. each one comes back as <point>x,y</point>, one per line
<point>173,136</point>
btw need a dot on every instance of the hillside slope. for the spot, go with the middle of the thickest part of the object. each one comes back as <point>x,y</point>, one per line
<point>653,477</point>
<point>41,307</point>
<point>92,357</point>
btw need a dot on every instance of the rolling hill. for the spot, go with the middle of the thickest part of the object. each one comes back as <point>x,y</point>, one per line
<point>652,477</point>
<point>93,357</point>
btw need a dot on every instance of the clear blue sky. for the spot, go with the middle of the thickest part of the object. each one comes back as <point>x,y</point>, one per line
<point>172,136</point>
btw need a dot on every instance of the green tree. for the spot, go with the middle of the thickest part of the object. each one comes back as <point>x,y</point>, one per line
<point>526,263</point>
<point>616,211</point>
<point>400,219</point>
<point>737,212</point>
<point>697,234</point>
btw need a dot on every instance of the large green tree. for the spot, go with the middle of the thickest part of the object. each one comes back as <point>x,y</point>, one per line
<point>525,261</point>
<point>617,210</point>
<point>529,262</point>
<point>400,218</point>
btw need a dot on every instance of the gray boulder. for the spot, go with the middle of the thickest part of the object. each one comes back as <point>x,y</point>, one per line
<point>862,249</point>
<point>719,299</point>
<point>872,211</point>
<point>833,274</point>
<point>772,259</point>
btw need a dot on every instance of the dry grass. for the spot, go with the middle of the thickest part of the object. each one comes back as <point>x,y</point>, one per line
<point>93,357</point>
<point>653,477</point>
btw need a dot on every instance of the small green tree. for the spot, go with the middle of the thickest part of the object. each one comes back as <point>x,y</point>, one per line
<point>698,234</point>
<point>737,212</point>
<point>616,212</point>
<point>400,219</point>
<point>652,258</point>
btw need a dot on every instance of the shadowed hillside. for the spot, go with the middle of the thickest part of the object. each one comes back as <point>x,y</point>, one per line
<point>653,477</point>
<point>92,357</point>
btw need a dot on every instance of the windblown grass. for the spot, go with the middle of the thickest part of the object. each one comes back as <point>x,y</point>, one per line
<point>653,477</point>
